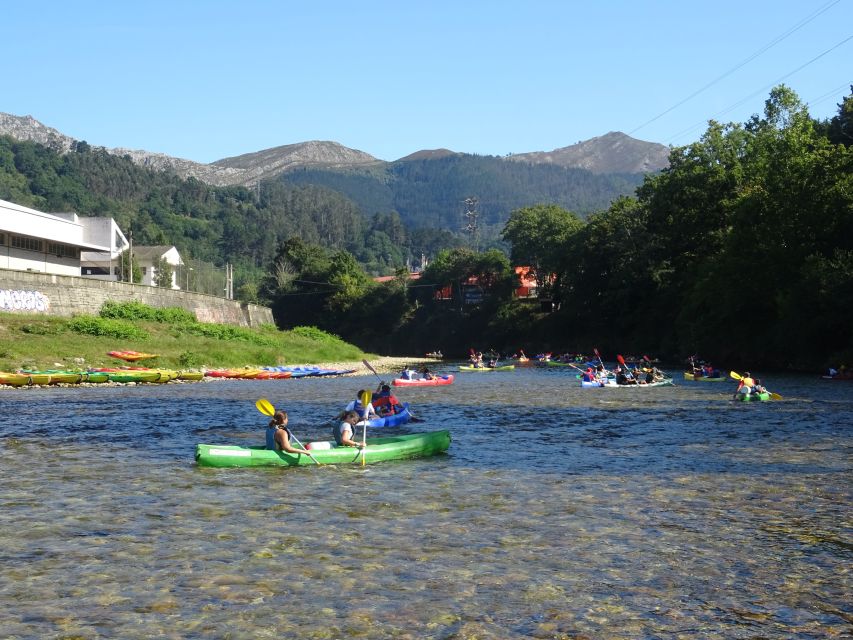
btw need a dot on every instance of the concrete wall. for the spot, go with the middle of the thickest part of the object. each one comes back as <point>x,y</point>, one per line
<point>58,295</point>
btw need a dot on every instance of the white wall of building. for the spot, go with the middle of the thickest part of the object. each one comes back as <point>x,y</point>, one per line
<point>31,240</point>
<point>102,231</point>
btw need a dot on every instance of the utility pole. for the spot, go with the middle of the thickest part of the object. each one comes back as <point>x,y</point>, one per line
<point>471,215</point>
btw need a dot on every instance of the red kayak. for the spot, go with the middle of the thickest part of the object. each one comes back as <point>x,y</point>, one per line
<point>420,382</point>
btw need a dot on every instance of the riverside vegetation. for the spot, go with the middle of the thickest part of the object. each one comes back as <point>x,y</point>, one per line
<point>43,342</point>
<point>741,250</point>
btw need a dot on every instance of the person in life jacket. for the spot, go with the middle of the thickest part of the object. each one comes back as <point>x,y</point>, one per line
<point>385,402</point>
<point>364,412</point>
<point>278,435</point>
<point>344,432</point>
<point>589,375</point>
<point>746,384</point>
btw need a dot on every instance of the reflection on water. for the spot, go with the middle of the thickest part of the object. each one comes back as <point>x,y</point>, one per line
<point>559,512</point>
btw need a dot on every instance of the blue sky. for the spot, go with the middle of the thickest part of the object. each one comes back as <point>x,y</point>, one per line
<point>208,80</point>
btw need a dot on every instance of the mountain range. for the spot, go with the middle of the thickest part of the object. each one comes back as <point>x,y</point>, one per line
<point>612,153</point>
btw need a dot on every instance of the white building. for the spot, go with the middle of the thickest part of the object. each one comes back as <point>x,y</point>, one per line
<point>148,257</point>
<point>102,266</point>
<point>34,241</point>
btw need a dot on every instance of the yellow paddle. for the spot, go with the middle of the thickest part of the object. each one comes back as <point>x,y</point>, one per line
<point>365,400</point>
<point>265,406</point>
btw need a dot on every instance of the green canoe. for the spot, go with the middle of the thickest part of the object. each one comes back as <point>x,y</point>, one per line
<point>413,445</point>
<point>753,397</point>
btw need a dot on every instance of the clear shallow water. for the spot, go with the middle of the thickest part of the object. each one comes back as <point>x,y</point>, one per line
<point>559,512</point>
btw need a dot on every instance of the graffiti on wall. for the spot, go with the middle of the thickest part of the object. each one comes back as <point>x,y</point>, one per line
<point>23,301</point>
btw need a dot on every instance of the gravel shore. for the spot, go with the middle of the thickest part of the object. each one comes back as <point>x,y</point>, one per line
<point>382,364</point>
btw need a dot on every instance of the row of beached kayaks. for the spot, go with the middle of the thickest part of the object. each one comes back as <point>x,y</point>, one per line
<point>136,375</point>
<point>95,376</point>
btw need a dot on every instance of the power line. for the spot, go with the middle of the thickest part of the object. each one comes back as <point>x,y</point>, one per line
<point>752,57</point>
<point>761,90</point>
<point>830,94</point>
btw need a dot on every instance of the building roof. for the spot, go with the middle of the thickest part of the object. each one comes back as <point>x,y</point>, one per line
<point>63,229</point>
<point>152,252</point>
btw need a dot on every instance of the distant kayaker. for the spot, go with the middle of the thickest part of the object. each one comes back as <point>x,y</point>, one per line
<point>278,435</point>
<point>409,374</point>
<point>745,386</point>
<point>364,413</point>
<point>427,374</point>
<point>623,376</point>
<point>343,433</point>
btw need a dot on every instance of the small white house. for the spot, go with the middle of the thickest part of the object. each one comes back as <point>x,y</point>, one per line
<point>148,257</point>
<point>48,243</point>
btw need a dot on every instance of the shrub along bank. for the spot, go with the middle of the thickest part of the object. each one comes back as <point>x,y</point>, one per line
<point>46,342</point>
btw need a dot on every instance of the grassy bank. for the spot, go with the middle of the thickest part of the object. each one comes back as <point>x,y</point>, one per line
<point>45,342</point>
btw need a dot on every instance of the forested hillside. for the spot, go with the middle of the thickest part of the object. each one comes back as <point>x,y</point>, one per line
<point>741,252</point>
<point>222,224</point>
<point>429,192</point>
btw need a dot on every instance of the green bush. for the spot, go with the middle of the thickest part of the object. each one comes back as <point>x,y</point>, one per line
<point>95,326</point>
<point>314,333</point>
<point>189,359</point>
<point>43,328</point>
<point>228,333</point>
<point>137,311</point>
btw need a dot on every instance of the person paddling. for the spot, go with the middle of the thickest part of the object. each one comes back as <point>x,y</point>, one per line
<point>385,402</point>
<point>278,435</point>
<point>364,412</point>
<point>745,386</point>
<point>343,433</point>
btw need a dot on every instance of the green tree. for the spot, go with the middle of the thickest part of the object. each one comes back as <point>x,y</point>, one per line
<point>129,270</point>
<point>538,236</point>
<point>163,273</point>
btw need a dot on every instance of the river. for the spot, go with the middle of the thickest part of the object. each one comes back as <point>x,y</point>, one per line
<point>558,512</point>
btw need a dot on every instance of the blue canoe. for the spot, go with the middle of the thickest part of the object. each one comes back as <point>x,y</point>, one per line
<point>389,421</point>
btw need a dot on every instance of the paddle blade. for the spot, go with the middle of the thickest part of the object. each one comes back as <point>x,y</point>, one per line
<point>265,407</point>
<point>775,396</point>
<point>365,398</point>
<point>620,360</point>
<point>735,375</point>
<point>369,366</point>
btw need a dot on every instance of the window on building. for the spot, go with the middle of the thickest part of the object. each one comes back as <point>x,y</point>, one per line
<point>62,250</point>
<point>2,238</point>
<point>30,244</point>
<point>144,270</point>
<point>96,271</point>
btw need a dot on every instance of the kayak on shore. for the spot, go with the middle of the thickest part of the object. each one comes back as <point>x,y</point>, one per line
<point>413,445</point>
